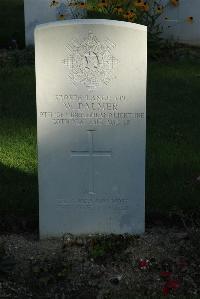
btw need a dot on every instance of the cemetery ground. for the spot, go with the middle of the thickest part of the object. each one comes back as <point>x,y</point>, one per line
<point>162,262</point>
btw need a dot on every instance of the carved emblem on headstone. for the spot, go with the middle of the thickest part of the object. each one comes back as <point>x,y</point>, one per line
<point>91,62</point>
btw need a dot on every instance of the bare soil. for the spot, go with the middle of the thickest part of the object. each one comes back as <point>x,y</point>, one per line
<point>162,262</point>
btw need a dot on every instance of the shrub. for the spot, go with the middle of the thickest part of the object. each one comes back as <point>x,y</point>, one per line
<point>138,11</point>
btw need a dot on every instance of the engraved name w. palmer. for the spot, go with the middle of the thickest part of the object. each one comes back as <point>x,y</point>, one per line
<point>91,106</point>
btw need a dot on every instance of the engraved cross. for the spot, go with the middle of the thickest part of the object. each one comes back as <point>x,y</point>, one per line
<point>92,153</point>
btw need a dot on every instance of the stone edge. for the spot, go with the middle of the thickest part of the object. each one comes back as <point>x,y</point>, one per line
<point>91,22</point>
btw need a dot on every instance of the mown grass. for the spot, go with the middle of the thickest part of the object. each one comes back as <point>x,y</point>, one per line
<point>173,143</point>
<point>11,22</point>
<point>18,162</point>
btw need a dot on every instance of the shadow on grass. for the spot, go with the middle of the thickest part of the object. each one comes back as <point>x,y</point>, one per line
<point>18,200</point>
<point>12,22</point>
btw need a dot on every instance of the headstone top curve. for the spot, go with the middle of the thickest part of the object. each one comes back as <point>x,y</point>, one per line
<point>91,22</point>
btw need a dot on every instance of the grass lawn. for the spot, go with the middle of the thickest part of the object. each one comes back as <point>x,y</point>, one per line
<point>11,22</point>
<point>173,143</point>
<point>18,165</point>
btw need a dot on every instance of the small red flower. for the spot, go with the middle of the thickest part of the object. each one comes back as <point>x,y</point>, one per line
<point>165,291</point>
<point>143,264</point>
<point>173,284</point>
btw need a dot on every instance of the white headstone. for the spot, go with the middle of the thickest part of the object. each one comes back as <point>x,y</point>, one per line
<point>91,114</point>
<point>175,22</point>
<point>43,11</point>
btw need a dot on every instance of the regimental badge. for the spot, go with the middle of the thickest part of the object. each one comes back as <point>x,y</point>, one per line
<point>91,62</point>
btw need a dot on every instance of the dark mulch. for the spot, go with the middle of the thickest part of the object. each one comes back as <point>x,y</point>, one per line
<point>162,262</point>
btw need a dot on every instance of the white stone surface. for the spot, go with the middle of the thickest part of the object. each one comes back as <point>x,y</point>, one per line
<point>176,26</point>
<point>43,11</point>
<point>91,115</point>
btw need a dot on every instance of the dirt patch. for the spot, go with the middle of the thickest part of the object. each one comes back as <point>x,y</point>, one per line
<point>161,262</point>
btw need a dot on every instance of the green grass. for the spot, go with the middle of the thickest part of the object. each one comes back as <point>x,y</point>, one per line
<point>18,164</point>
<point>11,21</point>
<point>173,143</point>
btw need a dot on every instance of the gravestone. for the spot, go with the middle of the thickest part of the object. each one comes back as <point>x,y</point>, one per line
<point>91,106</point>
<point>43,11</point>
<point>175,23</point>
